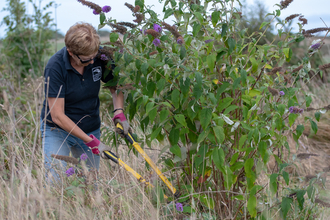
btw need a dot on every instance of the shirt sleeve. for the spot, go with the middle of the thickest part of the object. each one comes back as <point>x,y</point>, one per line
<point>55,83</point>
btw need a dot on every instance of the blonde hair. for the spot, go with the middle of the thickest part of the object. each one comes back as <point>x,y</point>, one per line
<point>82,39</point>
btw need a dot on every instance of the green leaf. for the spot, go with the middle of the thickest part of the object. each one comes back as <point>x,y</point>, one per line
<point>263,24</point>
<point>224,103</point>
<point>231,44</point>
<point>153,114</point>
<point>168,13</point>
<point>181,119</point>
<point>308,101</point>
<point>242,141</point>
<point>300,197</point>
<point>196,29</point>
<point>228,177</point>
<point>199,17</point>
<point>185,85</point>
<point>211,61</point>
<point>254,64</point>
<point>144,68</point>
<point>163,115</point>
<point>252,205</point>
<point>149,106</point>
<point>102,18</point>
<point>215,17</point>
<point>175,97</point>
<point>113,37</point>
<point>155,133</point>
<point>203,135</point>
<point>273,182</point>
<point>207,201</point>
<point>219,158</point>
<point>281,109</point>
<point>286,52</point>
<point>233,159</point>
<point>317,116</point>
<point>160,85</point>
<point>174,136</point>
<point>313,125</point>
<point>248,167</point>
<point>299,130</point>
<point>219,134</point>
<point>286,177</point>
<point>224,30</point>
<point>292,118</point>
<point>175,149</point>
<point>286,206</point>
<point>205,117</point>
<point>183,52</point>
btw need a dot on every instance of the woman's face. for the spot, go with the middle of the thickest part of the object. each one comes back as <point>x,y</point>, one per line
<point>83,60</point>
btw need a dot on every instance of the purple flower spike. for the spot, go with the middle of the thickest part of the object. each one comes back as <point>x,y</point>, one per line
<point>104,57</point>
<point>291,109</point>
<point>157,28</point>
<point>83,157</point>
<point>70,172</point>
<point>156,42</point>
<point>282,93</point>
<point>179,207</point>
<point>180,41</point>
<point>106,8</point>
<point>208,41</point>
<point>316,46</point>
<point>95,12</point>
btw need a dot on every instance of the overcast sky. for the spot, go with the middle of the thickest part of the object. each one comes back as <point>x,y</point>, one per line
<point>71,11</point>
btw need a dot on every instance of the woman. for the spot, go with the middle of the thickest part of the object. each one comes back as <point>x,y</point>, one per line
<point>70,114</point>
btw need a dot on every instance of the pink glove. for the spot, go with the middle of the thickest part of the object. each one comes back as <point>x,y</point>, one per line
<point>94,144</point>
<point>121,119</point>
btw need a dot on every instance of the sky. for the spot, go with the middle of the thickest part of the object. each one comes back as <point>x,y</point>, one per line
<point>69,12</point>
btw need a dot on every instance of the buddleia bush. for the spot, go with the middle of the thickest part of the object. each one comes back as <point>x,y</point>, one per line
<point>224,103</point>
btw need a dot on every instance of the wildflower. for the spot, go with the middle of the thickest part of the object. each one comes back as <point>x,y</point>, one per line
<point>273,91</point>
<point>136,9</point>
<point>152,32</point>
<point>285,3</point>
<point>127,24</point>
<point>104,57</point>
<point>325,66</point>
<point>208,41</point>
<point>129,6</point>
<point>157,28</point>
<point>179,207</point>
<point>298,68</point>
<point>106,8</point>
<point>121,50</point>
<point>156,42</point>
<point>172,29</point>
<point>289,18</point>
<point>304,20</point>
<point>95,12</point>
<point>70,172</point>
<point>84,156</point>
<point>139,18</point>
<point>315,30</point>
<point>295,110</point>
<point>282,93</point>
<point>180,40</point>
<point>315,46</point>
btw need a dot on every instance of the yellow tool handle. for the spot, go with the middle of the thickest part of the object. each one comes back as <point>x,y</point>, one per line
<point>130,138</point>
<point>117,160</point>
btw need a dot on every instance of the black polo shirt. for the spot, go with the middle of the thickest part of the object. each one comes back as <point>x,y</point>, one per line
<point>80,92</point>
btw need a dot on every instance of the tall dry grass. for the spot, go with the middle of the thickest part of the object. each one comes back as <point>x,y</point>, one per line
<point>24,193</point>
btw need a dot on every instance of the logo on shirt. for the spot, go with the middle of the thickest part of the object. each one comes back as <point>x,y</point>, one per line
<point>97,73</point>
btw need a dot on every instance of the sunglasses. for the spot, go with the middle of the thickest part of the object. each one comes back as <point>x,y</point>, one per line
<point>85,61</point>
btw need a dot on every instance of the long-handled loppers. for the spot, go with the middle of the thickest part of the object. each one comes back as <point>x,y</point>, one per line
<point>132,141</point>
